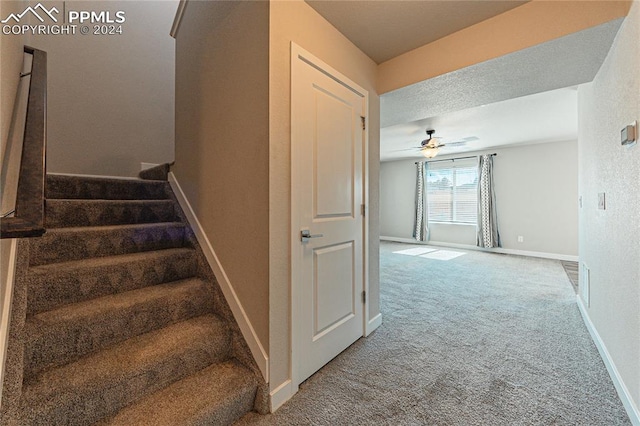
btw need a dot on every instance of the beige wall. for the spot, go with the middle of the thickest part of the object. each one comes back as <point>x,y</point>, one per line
<point>609,238</point>
<point>222,140</point>
<point>536,196</point>
<point>11,52</point>
<point>525,26</point>
<point>298,22</point>
<point>233,106</point>
<point>111,98</point>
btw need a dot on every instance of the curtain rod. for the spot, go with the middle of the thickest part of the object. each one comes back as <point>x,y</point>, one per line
<point>454,159</point>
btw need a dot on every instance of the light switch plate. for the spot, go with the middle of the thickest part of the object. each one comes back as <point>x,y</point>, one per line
<point>601,201</point>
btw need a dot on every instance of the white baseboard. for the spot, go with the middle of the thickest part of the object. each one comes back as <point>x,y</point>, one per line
<point>623,391</point>
<point>5,313</point>
<point>373,324</point>
<point>249,334</point>
<point>403,240</point>
<point>500,250</point>
<point>555,256</point>
<point>281,394</point>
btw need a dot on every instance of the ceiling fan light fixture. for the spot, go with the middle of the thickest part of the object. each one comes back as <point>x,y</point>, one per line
<point>429,152</point>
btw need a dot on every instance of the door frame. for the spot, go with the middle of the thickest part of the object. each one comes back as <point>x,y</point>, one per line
<point>301,57</point>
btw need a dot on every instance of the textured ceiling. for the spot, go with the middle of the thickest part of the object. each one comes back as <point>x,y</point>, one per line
<point>492,100</point>
<point>489,101</point>
<point>543,117</point>
<point>384,29</point>
<point>563,62</point>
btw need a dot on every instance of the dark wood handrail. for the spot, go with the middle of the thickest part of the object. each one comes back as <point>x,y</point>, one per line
<point>29,218</point>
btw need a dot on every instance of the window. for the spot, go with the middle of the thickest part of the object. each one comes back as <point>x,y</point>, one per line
<point>452,194</point>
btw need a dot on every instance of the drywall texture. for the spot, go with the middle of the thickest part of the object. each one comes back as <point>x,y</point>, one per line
<point>525,26</point>
<point>609,238</point>
<point>13,94</point>
<point>563,62</point>
<point>298,22</point>
<point>397,198</point>
<point>111,97</point>
<point>11,52</point>
<point>536,196</point>
<point>222,140</point>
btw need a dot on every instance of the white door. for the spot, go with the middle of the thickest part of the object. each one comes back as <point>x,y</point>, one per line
<point>327,139</point>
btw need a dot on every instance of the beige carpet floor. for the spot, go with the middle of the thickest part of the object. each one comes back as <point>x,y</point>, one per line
<point>468,338</point>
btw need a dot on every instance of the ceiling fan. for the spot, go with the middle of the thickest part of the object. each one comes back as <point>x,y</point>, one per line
<point>430,146</point>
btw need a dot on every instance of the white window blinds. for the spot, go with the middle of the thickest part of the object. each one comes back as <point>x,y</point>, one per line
<point>452,191</point>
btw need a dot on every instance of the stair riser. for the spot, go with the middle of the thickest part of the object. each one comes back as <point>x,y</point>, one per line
<point>69,213</point>
<point>65,245</point>
<point>227,414</point>
<point>217,395</point>
<point>69,187</point>
<point>88,405</point>
<point>54,345</point>
<point>51,289</point>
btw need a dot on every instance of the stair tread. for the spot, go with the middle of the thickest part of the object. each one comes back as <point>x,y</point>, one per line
<point>95,262</point>
<point>61,335</point>
<point>96,187</point>
<point>58,284</point>
<point>75,243</point>
<point>113,227</point>
<point>79,212</point>
<point>219,394</point>
<point>113,302</point>
<point>128,360</point>
<point>110,201</point>
<point>96,178</point>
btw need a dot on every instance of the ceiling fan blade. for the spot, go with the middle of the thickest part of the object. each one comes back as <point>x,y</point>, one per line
<point>459,143</point>
<point>408,149</point>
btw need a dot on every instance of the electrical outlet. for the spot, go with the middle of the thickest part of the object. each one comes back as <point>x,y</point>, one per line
<point>520,239</point>
<point>601,201</point>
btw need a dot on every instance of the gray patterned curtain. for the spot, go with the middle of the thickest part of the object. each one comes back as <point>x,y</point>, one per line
<point>488,235</point>
<point>420,229</point>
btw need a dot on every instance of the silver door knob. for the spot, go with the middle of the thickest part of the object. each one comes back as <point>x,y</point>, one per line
<point>305,235</point>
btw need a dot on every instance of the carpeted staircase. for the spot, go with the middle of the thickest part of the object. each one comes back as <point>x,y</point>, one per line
<point>118,320</point>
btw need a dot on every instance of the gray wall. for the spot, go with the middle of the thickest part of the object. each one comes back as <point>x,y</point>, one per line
<point>233,146</point>
<point>111,98</point>
<point>536,195</point>
<point>609,239</point>
<point>222,140</point>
